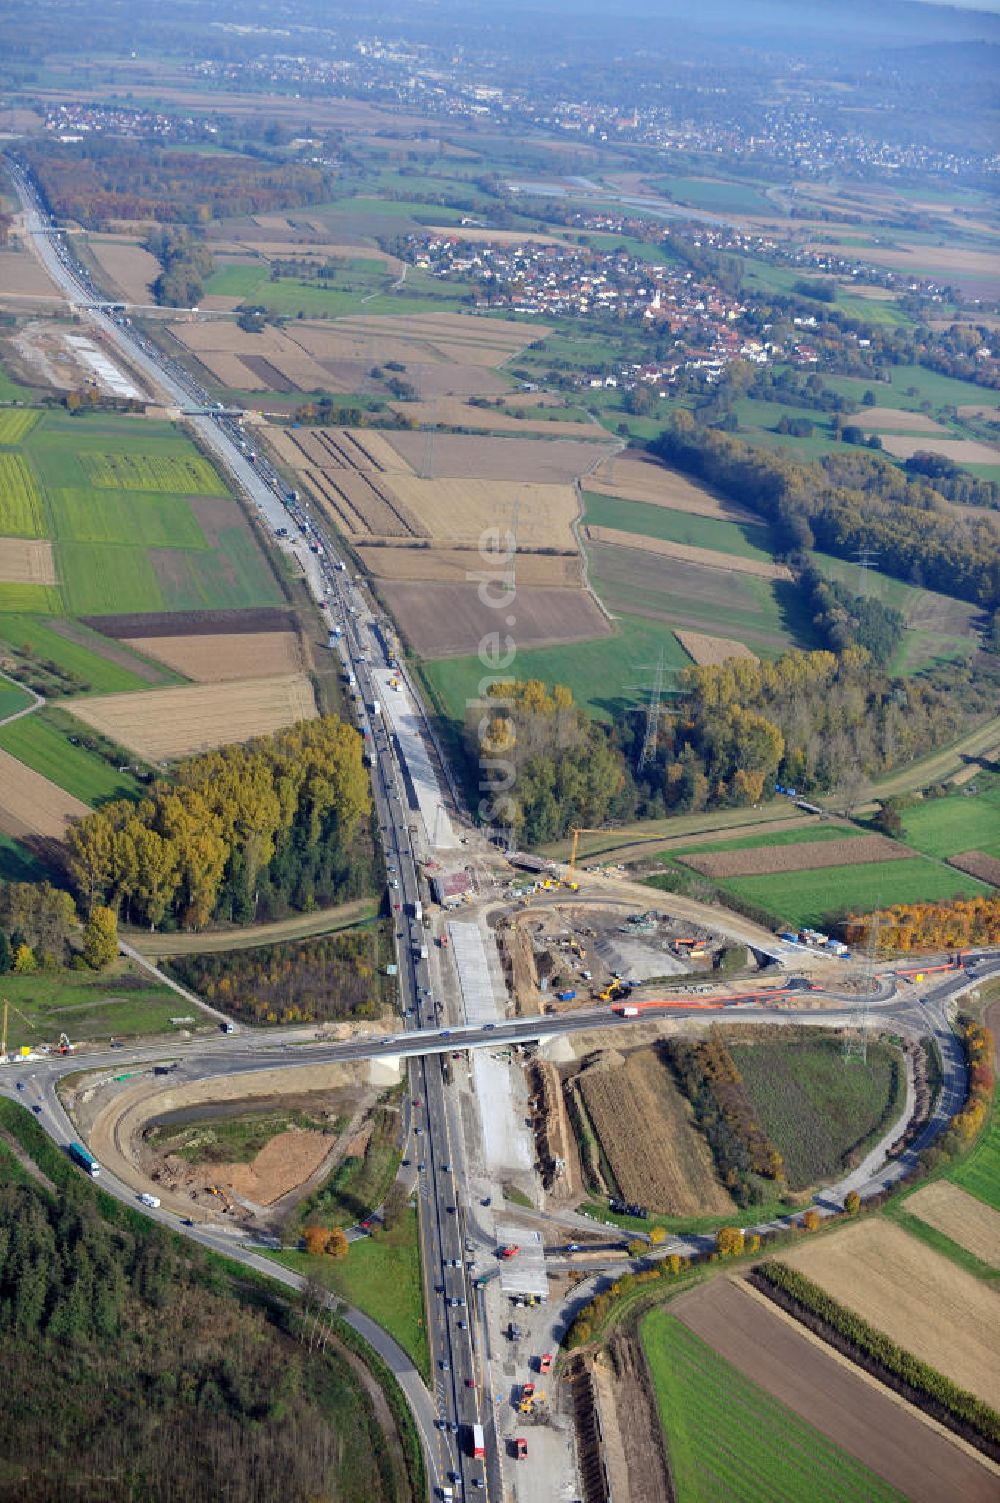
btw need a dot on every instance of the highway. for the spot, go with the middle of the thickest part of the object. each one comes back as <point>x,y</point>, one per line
<point>456,1334</point>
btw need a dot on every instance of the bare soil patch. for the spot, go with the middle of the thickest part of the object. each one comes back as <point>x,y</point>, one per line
<point>657,1156</point>
<point>960,1216</point>
<point>707,558</point>
<point>627,1397</point>
<point>26,561</point>
<point>443,620</point>
<point>853,851</point>
<point>459,455</point>
<point>896,419</point>
<point>216,658</point>
<point>281,1166</point>
<point>177,721</point>
<point>31,805</point>
<point>465,565</point>
<point>961,450</point>
<point>632,478</point>
<point>23,279</point>
<point>919,1298</point>
<point>127,266</point>
<point>264,618</point>
<point>977,863</point>
<point>871,1424</point>
<point>705,650</point>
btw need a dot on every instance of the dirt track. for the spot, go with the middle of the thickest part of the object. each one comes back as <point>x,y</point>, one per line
<point>853,1410</point>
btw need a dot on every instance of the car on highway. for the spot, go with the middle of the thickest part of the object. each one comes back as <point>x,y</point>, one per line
<point>20,1085</point>
<point>444,1365</point>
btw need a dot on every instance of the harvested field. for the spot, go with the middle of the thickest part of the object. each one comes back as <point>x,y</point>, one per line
<point>895,419</point>
<point>462,565</point>
<point>707,558</point>
<point>644,479</point>
<point>435,380</point>
<point>450,338</point>
<point>174,722</point>
<point>445,620</point>
<point>263,618</point>
<point>217,658</point>
<point>658,1158</point>
<point>960,1216</point>
<point>977,864</point>
<point>495,237</point>
<point>31,805</point>
<point>23,279</point>
<point>764,861</point>
<point>449,412</point>
<point>960,450</point>
<point>230,370</point>
<point>917,1297</point>
<point>24,561</point>
<point>707,650</point>
<point>457,511</point>
<point>841,1402</point>
<point>457,455</point>
<point>126,265</point>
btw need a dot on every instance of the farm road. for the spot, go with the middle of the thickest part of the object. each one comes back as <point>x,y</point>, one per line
<point>301,926</point>
<point>37,704</point>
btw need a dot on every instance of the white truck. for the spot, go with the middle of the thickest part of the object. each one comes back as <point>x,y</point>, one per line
<point>153,1201</point>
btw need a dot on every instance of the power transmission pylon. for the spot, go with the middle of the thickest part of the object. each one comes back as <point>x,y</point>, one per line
<point>866,559</point>
<point>855,1044</point>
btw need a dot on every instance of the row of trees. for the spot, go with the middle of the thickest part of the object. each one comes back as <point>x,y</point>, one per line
<point>930,926</point>
<point>267,825</point>
<point>846,501</point>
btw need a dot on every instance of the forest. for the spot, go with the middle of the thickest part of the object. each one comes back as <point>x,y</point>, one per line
<point>136,1368</point>
<point>844,502</point>
<point>930,926</point>
<point>244,833</point>
<point>110,178</point>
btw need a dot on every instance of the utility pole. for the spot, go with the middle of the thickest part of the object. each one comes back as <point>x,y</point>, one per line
<point>855,1044</point>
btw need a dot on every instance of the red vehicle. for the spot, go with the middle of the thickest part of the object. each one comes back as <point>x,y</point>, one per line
<point>508,1251</point>
<point>470,1382</point>
<point>520,1448</point>
<point>545,1363</point>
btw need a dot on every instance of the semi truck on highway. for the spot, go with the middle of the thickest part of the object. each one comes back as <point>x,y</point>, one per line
<point>84,1159</point>
<point>477,1442</point>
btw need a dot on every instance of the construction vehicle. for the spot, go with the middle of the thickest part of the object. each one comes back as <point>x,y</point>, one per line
<point>579,830</point>
<point>444,940</point>
<point>508,1251</point>
<point>616,990</point>
<point>64,1046</point>
<point>222,1193</point>
<point>520,1448</point>
<point>529,1398</point>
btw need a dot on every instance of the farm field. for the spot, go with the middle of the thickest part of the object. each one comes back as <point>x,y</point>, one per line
<point>20,499</point>
<point>809,899</point>
<point>187,475</point>
<point>222,656</point>
<point>41,599</point>
<point>963,821</point>
<point>706,650</point>
<point>896,420</point>
<point>17,862</point>
<point>712,534</point>
<point>451,411</point>
<point>918,1298</point>
<point>909,385</point>
<point>961,451</point>
<point>657,1156</point>
<point>796,829</point>
<point>728,1438</point>
<point>41,741</point>
<point>118,1005</point>
<point>457,455</point>
<point>814,1107</point>
<point>634,476</point>
<point>26,561</point>
<point>176,722</point>
<point>764,860</point>
<point>443,619</point>
<point>16,424</point>
<point>775,1353</point>
<point>12,698</point>
<point>462,565</point>
<point>961,1217</point>
<point>31,805</point>
<point>979,1173</point>
<point>100,666</point>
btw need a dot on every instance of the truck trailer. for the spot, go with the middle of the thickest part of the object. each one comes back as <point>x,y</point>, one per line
<point>84,1159</point>
<point>478,1442</point>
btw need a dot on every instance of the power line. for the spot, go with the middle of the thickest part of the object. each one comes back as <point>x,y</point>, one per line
<point>855,1044</point>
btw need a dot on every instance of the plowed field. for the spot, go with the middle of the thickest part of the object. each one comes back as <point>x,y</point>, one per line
<point>977,863</point>
<point>445,620</point>
<point>455,455</point>
<point>175,722</point>
<point>919,1298</point>
<point>642,479</point>
<point>961,1217</point>
<point>657,1157</point>
<point>31,805</point>
<point>960,450</point>
<point>465,565</point>
<point>765,861</point>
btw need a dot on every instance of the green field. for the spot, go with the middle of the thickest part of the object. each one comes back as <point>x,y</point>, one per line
<point>910,385</point>
<point>815,1107</point>
<point>20,499</point>
<point>90,668</point>
<point>118,516</point>
<point>41,742</point>
<point>89,1007</point>
<point>18,864</point>
<point>100,580</point>
<point>16,423</point>
<point>380,1275</point>
<point>728,1439</point>
<point>40,599</point>
<point>980,1172</point>
<point>715,195</point>
<point>12,698</point>
<point>189,475</point>
<point>961,822</point>
<point>232,576</point>
<point>802,836</point>
<point>640,518</point>
<point>599,672</point>
<point>810,898</point>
